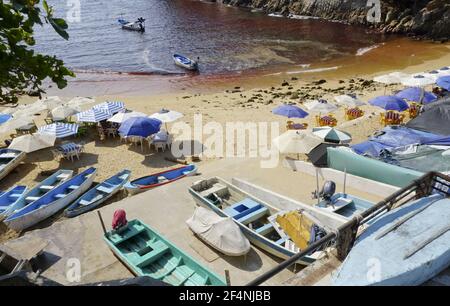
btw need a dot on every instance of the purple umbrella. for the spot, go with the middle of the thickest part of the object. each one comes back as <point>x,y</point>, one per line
<point>390,103</point>
<point>139,126</point>
<point>416,94</point>
<point>290,111</point>
<point>444,82</point>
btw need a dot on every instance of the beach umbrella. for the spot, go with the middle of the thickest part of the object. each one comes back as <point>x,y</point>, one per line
<point>349,100</point>
<point>4,118</point>
<point>416,94</point>
<point>110,106</point>
<point>290,111</point>
<point>444,82</point>
<point>296,142</point>
<point>63,111</point>
<point>321,106</point>
<point>139,126</point>
<point>15,123</point>
<point>330,134</point>
<point>59,129</point>
<point>93,115</point>
<point>32,142</point>
<point>418,80</point>
<point>122,116</point>
<point>391,78</point>
<point>165,115</point>
<point>390,103</point>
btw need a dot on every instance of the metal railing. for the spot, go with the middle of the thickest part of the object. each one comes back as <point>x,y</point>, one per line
<point>345,235</point>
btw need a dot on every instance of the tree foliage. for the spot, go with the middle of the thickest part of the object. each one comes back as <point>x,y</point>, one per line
<point>22,69</point>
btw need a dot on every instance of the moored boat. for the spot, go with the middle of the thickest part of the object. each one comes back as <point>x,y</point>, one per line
<point>266,227</point>
<point>185,62</point>
<point>98,194</point>
<point>9,200</point>
<point>159,179</point>
<point>39,190</point>
<point>406,246</point>
<point>147,253</point>
<point>51,202</point>
<point>9,159</point>
<point>138,25</point>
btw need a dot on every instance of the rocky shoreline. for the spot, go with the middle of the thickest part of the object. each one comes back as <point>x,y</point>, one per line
<point>419,18</point>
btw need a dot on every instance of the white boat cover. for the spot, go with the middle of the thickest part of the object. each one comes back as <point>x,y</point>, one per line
<point>221,233</point>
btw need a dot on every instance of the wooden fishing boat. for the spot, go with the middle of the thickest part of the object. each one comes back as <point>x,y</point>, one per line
<point>40,189</point>
<point>185,62</point>
<point>147,253</point>
<point>264,225</point>
<point>159,179</point>
<point>406,246</point>
<point>9,200</point>
<point>98,194</point>
<point>52,202</point>
<point>9,159</point>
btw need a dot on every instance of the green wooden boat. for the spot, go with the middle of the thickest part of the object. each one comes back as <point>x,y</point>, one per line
<point>147,253</point>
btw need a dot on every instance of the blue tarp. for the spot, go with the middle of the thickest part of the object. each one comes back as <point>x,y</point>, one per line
<point>398,136</point>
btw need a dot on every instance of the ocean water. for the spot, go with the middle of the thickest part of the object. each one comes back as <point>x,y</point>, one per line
<point>228,40</point>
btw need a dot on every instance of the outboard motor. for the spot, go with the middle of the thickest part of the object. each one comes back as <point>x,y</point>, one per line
<point>328,190</point>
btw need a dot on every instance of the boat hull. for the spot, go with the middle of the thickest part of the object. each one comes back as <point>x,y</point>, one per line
<point>27,220</point>
<point>13,163</point>
<point>133,188</point>
<point>12,205</point>
<point>185,62</point>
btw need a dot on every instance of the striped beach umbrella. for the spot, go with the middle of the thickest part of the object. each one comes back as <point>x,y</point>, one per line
<point>110,106</point>
<point>93,115</point>
<point>330,134</point>
<point>60,130</point>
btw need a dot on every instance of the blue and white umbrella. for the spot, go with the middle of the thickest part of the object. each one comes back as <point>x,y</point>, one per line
<point>93,115</point>
<point>110,106</point>
<point>60,130</point>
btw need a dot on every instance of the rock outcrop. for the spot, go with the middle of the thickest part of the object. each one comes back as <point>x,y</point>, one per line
<point>422,18</point>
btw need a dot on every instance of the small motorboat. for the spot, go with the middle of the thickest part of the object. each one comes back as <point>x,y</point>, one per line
<point>185,62</point>
<point>159,179</point>
<point>138,25</point>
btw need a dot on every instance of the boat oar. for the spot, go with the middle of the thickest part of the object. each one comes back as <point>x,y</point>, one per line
<point>101,221</point>
<point>227,277</point>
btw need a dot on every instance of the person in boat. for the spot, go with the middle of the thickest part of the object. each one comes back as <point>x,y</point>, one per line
<point>119,219</point>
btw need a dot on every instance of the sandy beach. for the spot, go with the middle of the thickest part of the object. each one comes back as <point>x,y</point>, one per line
<point>237,102</point>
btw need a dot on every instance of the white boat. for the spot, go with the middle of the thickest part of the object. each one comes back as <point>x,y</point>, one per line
<point>52,202</point>
<point>9,159</point>
<point>138,25</point>
<point>406,246</point>
<point>185,62</point>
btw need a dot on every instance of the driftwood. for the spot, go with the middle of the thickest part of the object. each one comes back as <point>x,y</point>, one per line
<point>176,160</point>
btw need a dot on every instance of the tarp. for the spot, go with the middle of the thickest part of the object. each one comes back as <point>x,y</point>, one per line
<point>398,136</point>
<point>318,155</point>
<point>221,233</point>
<point>434,119</point>
<point>343,159</point>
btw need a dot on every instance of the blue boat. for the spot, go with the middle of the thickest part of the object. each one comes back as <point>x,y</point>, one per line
<point>9,200</point>
<point>52,202</point>
<point>185,62</point>
<point>159,179</point>
<point>406,246</point>
<point>39,190</point>
<point>98,194</point>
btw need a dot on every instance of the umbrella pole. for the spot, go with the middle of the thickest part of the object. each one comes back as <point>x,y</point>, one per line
<point>317,185</point>
<point>345,179</point>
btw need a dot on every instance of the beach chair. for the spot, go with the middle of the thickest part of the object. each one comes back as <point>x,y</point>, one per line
<point>111,131</point>
<point>327,120</point>
<point>413,110</point>
<point>353,113</point>
<point>392,118</point>
<point>101,132</point>
<point>48,120</point>
<point>290,125</point>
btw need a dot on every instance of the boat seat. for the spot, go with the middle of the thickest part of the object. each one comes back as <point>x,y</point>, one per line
<point>217,188</point>
<point>46,187</point>
<point>2,208</point>
<point>159,249</point>
<point>186,172</point>
<point>253,216</point>
<point>15,195</point>
<point>123,176</point>
<point>242,208</point>
<point>60,195</point>
<point>265,229</point>
<point>281,240</point>
<point>182,274</point>
<point>197,280</point>
<point>128,233</point>
<point>162,179</point>
<point>62,176</point>
<point>104,189</point>
<point>84,202</point>
<point>73,187</point>
<point>31,199</point>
